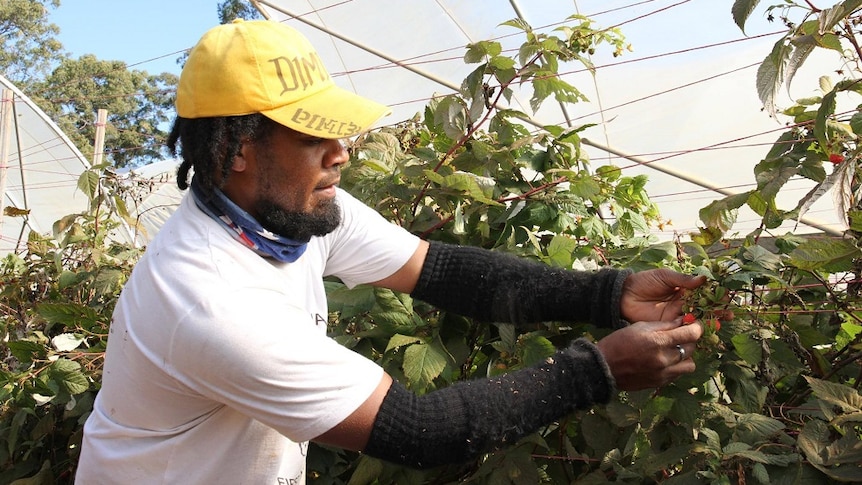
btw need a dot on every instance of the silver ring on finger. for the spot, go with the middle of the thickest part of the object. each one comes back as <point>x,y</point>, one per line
<point>681,351</point>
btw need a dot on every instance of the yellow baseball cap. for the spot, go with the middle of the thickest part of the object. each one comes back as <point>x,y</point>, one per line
<point>263,66</point>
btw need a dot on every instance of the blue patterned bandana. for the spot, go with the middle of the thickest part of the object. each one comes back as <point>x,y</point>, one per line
<point>245,228</point>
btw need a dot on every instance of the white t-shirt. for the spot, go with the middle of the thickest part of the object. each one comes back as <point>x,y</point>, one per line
<point>218,367</point>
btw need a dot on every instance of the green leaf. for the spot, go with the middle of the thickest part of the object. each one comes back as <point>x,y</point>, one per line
<point>832,255</point>
<point>760,473</point>
<point>88,183</point>
<point>108,281</point>
<point>814,441</point>
<point>518,24</point>
<point>757,428</point>
<point>741,10</point>
<point>399,340</point>
<point>535,349</point>
<point>393,312</point>
<point>770,74</point>
<point>423,363</point>
<point>451,114</point>
<point>25,350</point>
<point>478,51</point>
<point>368,470</point>
<point>68,314</point>
<point>827,109</point>
<point>621,414</point>
<point>747,348</point>
<point>560,251</point>
<point>350,302</point>
<point>840,395</point>
<point>848,334</point>
<point>721,214</point>
<point>762,258</point>
<point>68,374</point>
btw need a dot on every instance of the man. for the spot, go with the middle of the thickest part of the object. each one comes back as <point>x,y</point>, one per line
<point>218,367</point>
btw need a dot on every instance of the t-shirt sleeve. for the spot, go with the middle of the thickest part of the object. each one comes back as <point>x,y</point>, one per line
<point>366,247</point>
<point>269,361</point>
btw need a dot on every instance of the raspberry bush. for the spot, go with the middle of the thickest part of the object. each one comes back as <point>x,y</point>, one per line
<point>775,398</point>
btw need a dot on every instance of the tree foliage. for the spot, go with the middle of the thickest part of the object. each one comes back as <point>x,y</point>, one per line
<point>72,91</point>
<point>139,106</point>
<point>28,47</point>
<point>775,398</point>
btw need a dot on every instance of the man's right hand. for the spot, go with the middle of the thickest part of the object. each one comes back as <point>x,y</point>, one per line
<point>645,354</point>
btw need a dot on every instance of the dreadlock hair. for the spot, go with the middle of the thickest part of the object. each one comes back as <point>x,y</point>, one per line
<point>209,145</point>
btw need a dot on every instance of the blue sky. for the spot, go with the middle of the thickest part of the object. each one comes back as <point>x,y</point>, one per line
<point>134,32</point>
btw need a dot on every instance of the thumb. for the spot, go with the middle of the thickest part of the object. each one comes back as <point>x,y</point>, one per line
<point>691,282</point>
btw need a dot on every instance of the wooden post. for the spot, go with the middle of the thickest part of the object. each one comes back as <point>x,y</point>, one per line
<point>99,142</point>
<point>5,139</point>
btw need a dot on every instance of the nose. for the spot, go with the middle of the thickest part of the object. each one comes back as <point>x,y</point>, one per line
<point>336,154</point>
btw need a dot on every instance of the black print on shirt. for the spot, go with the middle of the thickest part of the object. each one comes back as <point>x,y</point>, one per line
<point>290,481</point>
<point>319,320</point>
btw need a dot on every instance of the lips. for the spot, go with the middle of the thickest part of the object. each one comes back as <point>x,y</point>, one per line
<point>327,188</point>
<point>328,184</point>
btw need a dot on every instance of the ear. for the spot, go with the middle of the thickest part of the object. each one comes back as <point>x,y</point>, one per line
<point>246,155</point>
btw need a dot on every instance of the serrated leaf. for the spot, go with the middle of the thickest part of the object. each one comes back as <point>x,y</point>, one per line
<point>814,195</point>
<point>478,51</point>
<point>368,470</point>
<point>770,74</point>
<point>25,350</point>
<point>840,395</point>
<point>399,340</point>
<point>741,10</point>
<point>108,281</point>
<point>760,474</point>
<point>393,312</point>
<point>825,254</point>
<point>68,374</point>
<point>508,336</point>
<point>350,302</point>
<point>88,183</point>
<point>621,414</point>
<point>747,348</point>
<point>827,109</point>
<point>757,428</point>
<point>423,363</point>
<point>801,52</point>
<point>721,214</point>
<point>560,251</point>
<point>762,258</point>
<point>68,314</point>
<point>535,349</point>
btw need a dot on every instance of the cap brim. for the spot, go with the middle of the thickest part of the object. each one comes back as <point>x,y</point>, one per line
<point>332,112</point>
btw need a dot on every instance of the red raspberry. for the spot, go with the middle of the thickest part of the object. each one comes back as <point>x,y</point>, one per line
<point>836,158</point>
<point>688,318</point>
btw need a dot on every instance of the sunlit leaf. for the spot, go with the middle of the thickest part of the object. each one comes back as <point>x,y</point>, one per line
<point>68,374</point>
<point>423,363</point>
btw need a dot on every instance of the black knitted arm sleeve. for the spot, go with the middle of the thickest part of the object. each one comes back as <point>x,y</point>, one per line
<point>459,422</point>
<point>497,287</point>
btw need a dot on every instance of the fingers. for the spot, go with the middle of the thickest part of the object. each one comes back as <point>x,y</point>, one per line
<point>679,353</point>
<point>650,354</point>
<point>692,282</point>
<point>673,332</point>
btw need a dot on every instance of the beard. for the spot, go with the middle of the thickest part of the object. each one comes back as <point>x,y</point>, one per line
<point>299,226</point>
